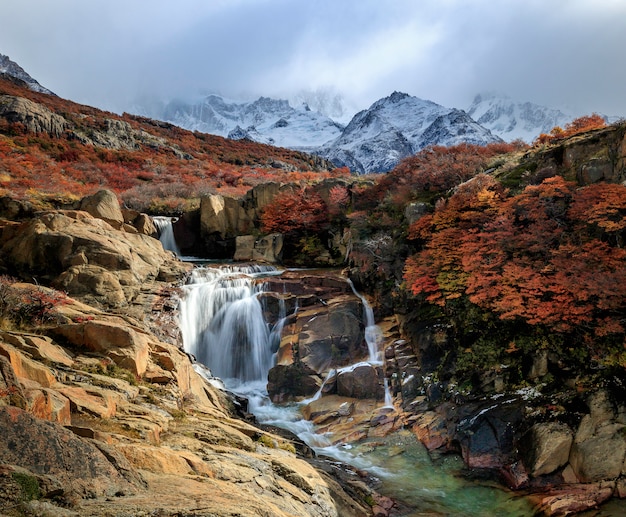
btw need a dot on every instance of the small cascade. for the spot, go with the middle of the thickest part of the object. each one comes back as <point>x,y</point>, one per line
<point>222,323</point>
<point>373,334</point>
<point>166,232</point>
<point>319,392</point>
<point>388,397</point>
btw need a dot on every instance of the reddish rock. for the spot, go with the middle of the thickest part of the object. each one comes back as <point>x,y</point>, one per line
<point>47,449</point>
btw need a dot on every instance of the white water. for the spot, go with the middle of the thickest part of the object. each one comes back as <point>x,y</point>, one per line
<point>221,311</point>
<point>373,334</point>
<point>222,324</point>
<point>166,232</point>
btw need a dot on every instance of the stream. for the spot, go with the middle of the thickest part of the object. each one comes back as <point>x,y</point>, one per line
<point>222,324</point>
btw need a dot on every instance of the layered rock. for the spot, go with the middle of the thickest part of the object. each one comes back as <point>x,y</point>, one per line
<point>86,257</point>
<point>326,332</point>
<point>35,117</point>
<point>99,415</point>
<point>119,421</point>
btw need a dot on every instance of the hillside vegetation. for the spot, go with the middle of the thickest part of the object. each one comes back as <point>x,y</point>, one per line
<point>56,150</point>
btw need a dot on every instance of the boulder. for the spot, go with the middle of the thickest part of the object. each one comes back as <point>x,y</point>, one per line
<point>87,257</point>
<point>599,449</point>
<point>47,449</point>
<point>547,447</point>
<point>128,347</point>
<point>486,432</point>
<point>331,335</point>
<point>292,382</point>
<point>363,381</point>
<point>104,205</point>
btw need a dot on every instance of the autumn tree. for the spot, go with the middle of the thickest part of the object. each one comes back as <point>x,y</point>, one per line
<point>576,126</point>
<point>295,210</point>
<point>549,256</point>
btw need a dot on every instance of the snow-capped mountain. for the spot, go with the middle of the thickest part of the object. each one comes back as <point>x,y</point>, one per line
<point>264,120</point>
<point>512,120</point>
<point>374,140</point>
<point>398,126</point>
<point>12,69</point>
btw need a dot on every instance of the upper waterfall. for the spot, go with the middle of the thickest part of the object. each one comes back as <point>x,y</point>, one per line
<point>166,233</point>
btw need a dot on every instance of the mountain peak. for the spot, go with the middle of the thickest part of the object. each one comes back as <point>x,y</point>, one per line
<point>398,96</point>
<point>513,120</point>
<point>12,69</point>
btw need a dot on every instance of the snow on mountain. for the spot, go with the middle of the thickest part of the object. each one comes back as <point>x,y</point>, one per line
<point>398,126</point>
<point>512,120</point>
<point>12,69</point>
<point>374,140</point>
<point>264,120</point>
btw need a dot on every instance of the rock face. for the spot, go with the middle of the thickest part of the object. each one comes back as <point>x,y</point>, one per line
<point>326,332</point>
<point>36,117</point>
<point>99,416</point>
<point>118,422</point>
<point>87,257</point>
<point>73,466</point>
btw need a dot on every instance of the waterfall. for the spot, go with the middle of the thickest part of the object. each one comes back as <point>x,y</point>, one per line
<point>166,232</point>
<point>373,333</point>
<point>222,323</point>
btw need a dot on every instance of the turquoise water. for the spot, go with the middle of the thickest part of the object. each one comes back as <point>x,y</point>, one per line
<point>436,487</point>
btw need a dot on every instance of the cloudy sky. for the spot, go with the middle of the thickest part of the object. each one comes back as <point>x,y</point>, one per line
<point>107,53</point>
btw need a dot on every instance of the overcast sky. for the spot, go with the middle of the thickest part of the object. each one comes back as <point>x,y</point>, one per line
<point>107,53</point>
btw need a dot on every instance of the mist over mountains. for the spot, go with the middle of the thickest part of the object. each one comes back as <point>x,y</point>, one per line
<point>374,140</point>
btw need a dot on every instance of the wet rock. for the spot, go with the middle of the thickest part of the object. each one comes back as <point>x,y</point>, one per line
<point>362,382</point>
<point>292,382</point>
<point>575,499</point>
<point>487,434</point>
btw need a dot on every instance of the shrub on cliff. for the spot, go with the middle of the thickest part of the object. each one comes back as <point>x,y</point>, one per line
<point>550,257</point>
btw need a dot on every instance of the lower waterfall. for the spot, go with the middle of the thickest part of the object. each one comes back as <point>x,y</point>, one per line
<point>222,323</point>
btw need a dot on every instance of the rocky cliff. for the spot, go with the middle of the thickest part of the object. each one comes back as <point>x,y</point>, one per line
<point>101,413</point>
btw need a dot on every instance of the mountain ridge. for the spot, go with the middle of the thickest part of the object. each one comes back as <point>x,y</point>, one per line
<point>9,68</point>
<point>374,140</point>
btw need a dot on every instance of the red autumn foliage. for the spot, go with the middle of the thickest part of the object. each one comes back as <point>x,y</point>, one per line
<point>576,126</point>
<point>295,211</point>
<point>70,165</point>
<point>548,256</point>
<point>437,169</point>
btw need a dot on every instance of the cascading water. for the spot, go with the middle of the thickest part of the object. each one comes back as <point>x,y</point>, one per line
<point>222,323</point>
<point>221,320</point>
<point>373,334</point>
<point>166,232</point>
